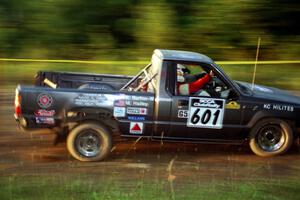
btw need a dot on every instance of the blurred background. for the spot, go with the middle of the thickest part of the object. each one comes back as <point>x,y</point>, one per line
<point>129,30</point>
<point>122,34</point>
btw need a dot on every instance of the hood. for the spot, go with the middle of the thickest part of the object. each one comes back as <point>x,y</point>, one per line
<point>270,93</point>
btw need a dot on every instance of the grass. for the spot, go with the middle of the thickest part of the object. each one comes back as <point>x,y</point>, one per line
<point>84,187</point>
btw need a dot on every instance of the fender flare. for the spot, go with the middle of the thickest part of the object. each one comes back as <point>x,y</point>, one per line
<point>262,115</point>
<point>82,114</point>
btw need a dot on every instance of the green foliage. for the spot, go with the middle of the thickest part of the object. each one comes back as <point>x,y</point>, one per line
<point>131,29</point>
<point>285,76</point>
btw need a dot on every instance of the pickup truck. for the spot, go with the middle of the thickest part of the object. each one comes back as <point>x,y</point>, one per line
<point>88,109</point>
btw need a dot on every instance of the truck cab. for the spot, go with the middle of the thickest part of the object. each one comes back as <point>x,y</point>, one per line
<point>171,109</point>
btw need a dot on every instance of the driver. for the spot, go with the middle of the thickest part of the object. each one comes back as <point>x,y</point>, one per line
<point>186,88</point>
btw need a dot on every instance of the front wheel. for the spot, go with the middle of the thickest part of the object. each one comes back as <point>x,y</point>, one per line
<point>89,142</point>
<point>271,137</point>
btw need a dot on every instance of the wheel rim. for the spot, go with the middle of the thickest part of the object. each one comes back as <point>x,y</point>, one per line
<point>88,143</point>
<point>271,138</point>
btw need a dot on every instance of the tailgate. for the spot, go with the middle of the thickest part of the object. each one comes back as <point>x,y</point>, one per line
<point>37,107</point>
<point>41,107</point>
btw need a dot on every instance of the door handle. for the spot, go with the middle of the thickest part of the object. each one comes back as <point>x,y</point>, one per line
<point>182,103</point>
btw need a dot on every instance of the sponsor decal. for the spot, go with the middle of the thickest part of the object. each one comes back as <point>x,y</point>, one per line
<point>206,102</point>
<point>120,103</point>
<point>45,120</point>
<point>136,103</point>
<point>139,98</point>
<point>44,113</point>
<point>233,105</point>
<point>183,114</point>
<point>140,103</point>
<point>142,98</point>
<point>136,118</point>
<point>92,100</point>
<point>206,113</point>
<point>136,127</point>
<point>119,111</point>
<point>45,100</point>
<point>128,103</point>
<point>128,100</point>
<point>279,107</point>
<point>136,111</point>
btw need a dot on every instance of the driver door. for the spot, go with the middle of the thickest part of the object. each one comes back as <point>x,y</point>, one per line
<point>212,113</point>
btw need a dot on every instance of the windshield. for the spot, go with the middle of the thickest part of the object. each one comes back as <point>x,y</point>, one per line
<point>245,88</point>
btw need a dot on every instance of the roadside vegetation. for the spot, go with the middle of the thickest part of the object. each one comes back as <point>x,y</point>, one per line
<point>131,29</point>
<point>285,76</point>
<point>82,187</point>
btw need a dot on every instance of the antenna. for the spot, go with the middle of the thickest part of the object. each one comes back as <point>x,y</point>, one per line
<point>256,58</point>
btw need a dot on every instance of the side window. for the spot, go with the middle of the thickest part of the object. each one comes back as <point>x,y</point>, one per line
<point>199,80</point>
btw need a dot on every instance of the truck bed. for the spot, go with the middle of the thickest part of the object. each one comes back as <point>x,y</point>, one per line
<point>81,80</point>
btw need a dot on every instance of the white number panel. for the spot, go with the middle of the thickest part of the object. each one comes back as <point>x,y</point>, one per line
<point>206,112</point>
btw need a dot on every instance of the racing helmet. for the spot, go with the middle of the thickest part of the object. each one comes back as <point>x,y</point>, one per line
<point>181,72</point>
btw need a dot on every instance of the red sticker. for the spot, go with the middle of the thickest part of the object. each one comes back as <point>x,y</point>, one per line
<point>136,127</point>
<point>44,100</point>
<point>143,111</point>
<point>44,113</point>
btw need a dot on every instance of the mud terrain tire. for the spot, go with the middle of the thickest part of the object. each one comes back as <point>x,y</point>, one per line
<point>89,142</point>
<point>270,137</point>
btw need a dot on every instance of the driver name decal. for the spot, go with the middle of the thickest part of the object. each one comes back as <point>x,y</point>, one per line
<point>206,113</point>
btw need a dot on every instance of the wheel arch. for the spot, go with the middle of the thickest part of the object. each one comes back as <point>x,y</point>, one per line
<point>263,115</point>
<point>259,116</point>
<point>101,116</point>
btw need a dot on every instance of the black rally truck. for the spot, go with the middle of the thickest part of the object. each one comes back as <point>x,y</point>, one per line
<point>88,109</point>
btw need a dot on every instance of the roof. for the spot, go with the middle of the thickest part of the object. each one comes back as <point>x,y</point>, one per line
<point>181,55</point>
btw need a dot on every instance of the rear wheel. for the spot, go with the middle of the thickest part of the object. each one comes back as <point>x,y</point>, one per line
<point>89,142</point>
<point>271,137</point>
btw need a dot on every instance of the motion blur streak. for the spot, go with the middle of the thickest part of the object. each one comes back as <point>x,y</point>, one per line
<point>131,29</point>
<point>143,62</point>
